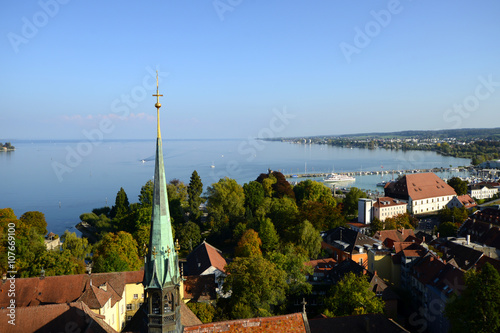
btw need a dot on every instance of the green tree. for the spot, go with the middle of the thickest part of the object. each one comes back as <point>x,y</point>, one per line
<point>268,235</point>
<point>351,200</point>
<point>121,206</point>
<point>77,247</point>
<point>322,216</point>
<point>352,295</point>
<point>283,213</point>
<point>257,286</point>
<point>116,253</point>
<point>477,309</point>
<point>141,236</point>
<point>146,194</point>
<point>400,221</point>
<point>195,189</point>
<point>275,185</point>
<point>254,195</point>
<point>204,311</point>
<point>292,261</point>
<point>189,236</point>
<point>460,186</point>
<point>35,220</point>
<point>308,238</point>
<point>249,245</point>
<point>457,215</point>
<point>226,201</point>
<point>177,200</point>
<point>376,225</point>
<point>447,229</point>
<point>309,190</point>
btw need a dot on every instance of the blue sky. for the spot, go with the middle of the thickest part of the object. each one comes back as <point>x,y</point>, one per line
<point>241,68</point>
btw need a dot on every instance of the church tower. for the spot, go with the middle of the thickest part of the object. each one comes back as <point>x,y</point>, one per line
<point>161,270</point>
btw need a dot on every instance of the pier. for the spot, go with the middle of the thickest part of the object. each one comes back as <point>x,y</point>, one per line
<point>367,173</point>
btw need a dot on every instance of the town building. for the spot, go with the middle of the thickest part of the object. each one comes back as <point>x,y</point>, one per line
<point>462,201</point>
<point>343,244</point>
<point>113,297</point>
<point>387,207</point>
<point>483,190</point>
<point>424,192</point>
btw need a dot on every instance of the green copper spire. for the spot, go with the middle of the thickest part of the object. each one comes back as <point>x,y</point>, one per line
<point>161,267</point>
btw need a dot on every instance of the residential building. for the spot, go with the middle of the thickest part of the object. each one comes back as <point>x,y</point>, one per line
<point>462,201</point>
<point>483,190</point>
<point>424,192</point>
<point>386,207</point>
<point>389,237</point>
<point>343,244</point>
<point>108,295</point>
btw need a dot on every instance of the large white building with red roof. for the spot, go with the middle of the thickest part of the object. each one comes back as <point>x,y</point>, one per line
<point>424,192</point>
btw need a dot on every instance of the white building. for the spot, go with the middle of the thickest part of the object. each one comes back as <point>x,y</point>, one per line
<point>425,192</point>
<point>483,190</point>
<point>386,207</point>
<point>365,210</point>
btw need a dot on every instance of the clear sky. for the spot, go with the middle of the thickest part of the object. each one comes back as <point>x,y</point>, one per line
<point>241,68</point>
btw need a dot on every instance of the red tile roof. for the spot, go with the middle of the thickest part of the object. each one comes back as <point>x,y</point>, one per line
<point>55,318</point>
<point>203,257</point>
<point>321,265</point>
<point>388,237</point>
<point>65,288</point>
<point>467,201</point>
<point>292,323</point>
<point>419,186</point>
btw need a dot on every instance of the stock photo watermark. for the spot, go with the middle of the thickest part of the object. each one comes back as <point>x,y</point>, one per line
<point>223,6</point>
<point>364,36</point>
<point>471,103</point>
<point>31,26</point>
<point>252,145</point>
<point>121,108</point>
<point>10,276</point>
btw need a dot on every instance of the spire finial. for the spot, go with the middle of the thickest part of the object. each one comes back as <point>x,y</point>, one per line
<point>158,105</point>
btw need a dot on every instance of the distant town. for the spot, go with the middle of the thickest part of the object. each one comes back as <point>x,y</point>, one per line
<point>478,145</point>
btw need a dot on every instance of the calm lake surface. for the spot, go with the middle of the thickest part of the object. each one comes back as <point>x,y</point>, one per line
<point>64,179</point>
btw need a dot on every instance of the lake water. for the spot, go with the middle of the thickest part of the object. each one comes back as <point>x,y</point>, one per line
<point>64,179</point>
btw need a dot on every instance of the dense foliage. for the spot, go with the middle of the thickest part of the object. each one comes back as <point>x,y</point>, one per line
<point>478,308</point>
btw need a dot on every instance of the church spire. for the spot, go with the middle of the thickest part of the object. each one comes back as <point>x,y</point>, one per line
<point>161,270</point>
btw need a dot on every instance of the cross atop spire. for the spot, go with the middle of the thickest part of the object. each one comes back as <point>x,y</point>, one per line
<point>158,105</point>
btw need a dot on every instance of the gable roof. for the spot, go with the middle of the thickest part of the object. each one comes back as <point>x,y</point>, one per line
<point>466,201</point>
<point>203,257</point>
<point>55,317</point>
<point>67,288</point>
<point>388,237</point>
<point>291,323</point>
<point>419,186</point>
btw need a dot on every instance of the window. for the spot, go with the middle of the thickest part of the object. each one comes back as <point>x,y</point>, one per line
<point>136,296</point>
<point>129,307</point>
<point>361,261</point>
<point>122,308</point>
<point>142,296</point>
